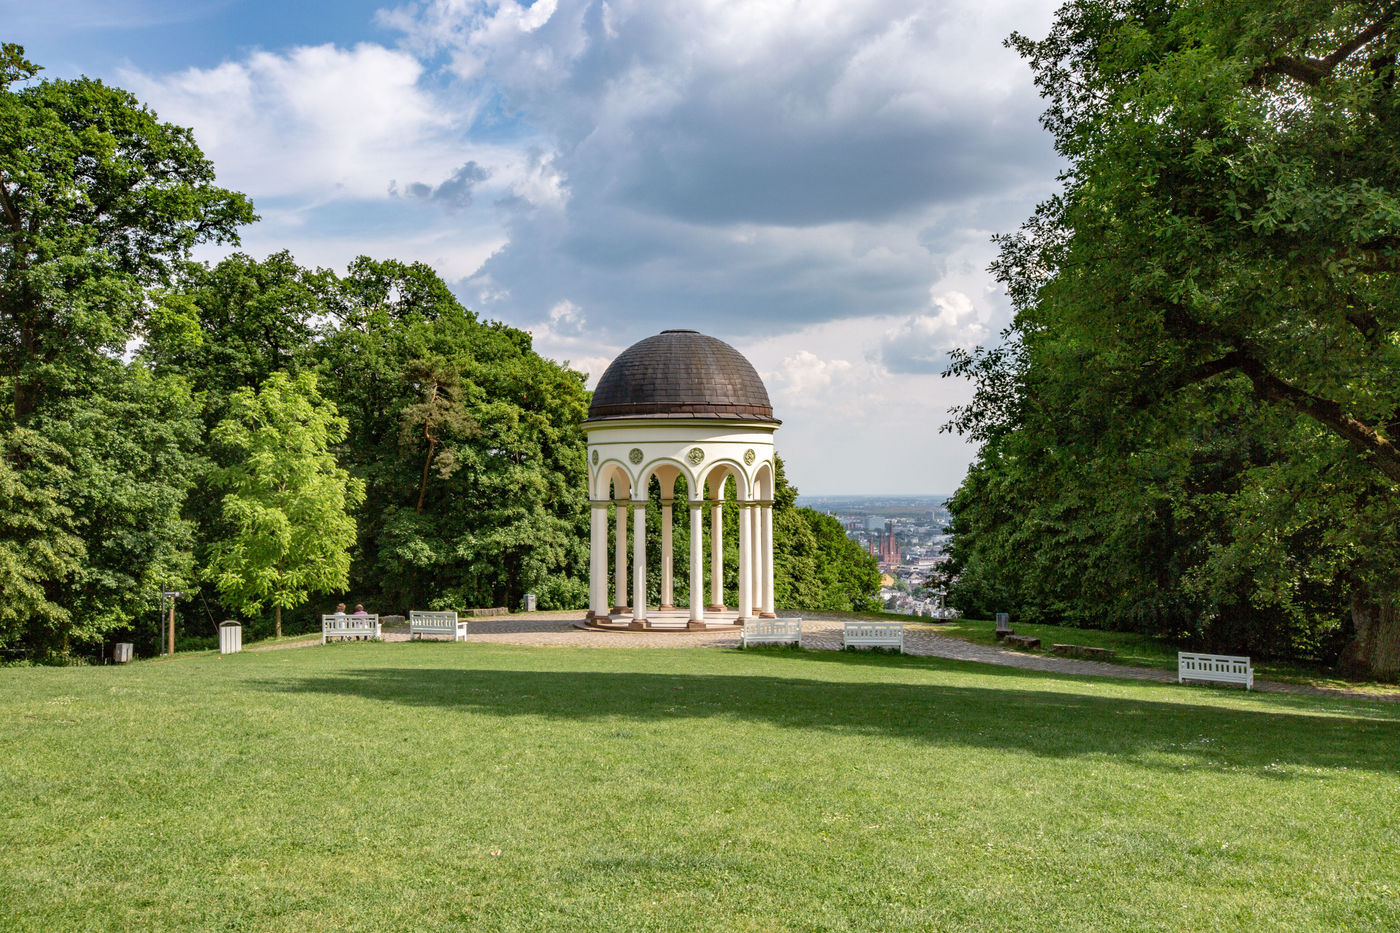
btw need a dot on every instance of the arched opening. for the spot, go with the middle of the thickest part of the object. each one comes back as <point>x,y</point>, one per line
<point>609,587</point>
<point>730,548</point>
<point>653,553</point>
<point>763,535</point>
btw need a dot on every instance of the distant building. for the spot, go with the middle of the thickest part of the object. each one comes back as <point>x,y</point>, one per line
<point>889,545</point>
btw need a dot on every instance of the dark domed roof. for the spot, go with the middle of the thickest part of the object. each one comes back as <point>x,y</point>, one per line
<point>681,374</point>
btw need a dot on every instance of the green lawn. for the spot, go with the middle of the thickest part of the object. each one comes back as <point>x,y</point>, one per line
<point>1143,651</point>
<point>1138,650</point>
<point>428,786</point>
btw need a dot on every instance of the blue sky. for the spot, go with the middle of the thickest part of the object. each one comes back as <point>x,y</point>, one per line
<point>814,182</point>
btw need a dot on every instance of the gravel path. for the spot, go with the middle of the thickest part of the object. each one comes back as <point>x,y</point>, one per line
<point>822,633</point>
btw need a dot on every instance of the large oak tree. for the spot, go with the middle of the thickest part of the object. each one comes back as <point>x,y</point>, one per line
<point>1225,251</point>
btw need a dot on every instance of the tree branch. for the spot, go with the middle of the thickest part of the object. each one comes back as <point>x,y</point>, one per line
<point>1325,411</point>
<point>1313,70</point>
<point>11,212</point>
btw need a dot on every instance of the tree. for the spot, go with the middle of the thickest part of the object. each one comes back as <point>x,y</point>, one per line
<point>98,200</point>
<point>287,502</point>
<point>1224,252</point>
<point>99,203</point>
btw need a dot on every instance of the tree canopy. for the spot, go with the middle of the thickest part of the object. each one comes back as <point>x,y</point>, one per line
<point>1191,426</point>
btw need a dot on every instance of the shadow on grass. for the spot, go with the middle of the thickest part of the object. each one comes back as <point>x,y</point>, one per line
<point>1172,736</point>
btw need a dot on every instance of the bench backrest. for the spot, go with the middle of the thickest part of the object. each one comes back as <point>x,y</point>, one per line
<point>432,619</point>
<point>759,628</point>
<point>888,631</point>
<point>1216,665</point>
<point>337,622</point>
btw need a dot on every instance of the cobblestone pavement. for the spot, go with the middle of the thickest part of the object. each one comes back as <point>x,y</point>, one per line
<point>818,633</point>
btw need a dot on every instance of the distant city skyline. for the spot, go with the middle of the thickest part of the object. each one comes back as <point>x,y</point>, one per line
<point>816,185</point>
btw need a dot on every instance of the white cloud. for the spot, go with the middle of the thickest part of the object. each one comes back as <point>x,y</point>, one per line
<point>849,424</point>
<point>805,378</point>
<point>921,343</point>
<point>314,122</point>
<point>814,182</point>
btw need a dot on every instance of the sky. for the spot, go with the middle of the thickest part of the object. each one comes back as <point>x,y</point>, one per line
<point>816,183</point>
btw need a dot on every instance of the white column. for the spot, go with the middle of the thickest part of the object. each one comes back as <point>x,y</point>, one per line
<point>697,566</point>
<point>668,595</point>
<point>598,561</point>
<point>745,562</point>
<point>768,560</point>
<point>717,554</point>
<point>620,557</point>
<point>756,557</point>
<point>639,564</point>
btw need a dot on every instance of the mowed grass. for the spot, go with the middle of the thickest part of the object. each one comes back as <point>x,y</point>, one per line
<point>432,786</point>
<point>1130,648</point>
<point>1143,651</point>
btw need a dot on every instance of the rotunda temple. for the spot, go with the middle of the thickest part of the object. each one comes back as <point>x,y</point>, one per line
<point>680,407</point>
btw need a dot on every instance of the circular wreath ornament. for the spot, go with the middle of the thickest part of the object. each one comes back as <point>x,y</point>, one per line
<point>695,456</point>
<point>595,458</point>
<point>635,455</point>
<point>749,457</point>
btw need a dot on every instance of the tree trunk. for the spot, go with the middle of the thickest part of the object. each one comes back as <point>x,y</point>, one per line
<point>279,621</point>
<point>423,486</point>
<point>1375,648</point>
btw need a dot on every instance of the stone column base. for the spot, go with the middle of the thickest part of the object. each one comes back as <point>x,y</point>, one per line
<point>740,621</point>
<point>767,615</point>
<point>696,625</point>
<point>665,607</point>
<point>639,625</point>
<point>621,610</point>
<point>717,608</point>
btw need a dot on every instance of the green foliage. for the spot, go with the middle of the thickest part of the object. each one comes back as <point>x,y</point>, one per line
<point>38,547</point>
<point>98,200</point>
<point>99,203</point>
<point>1189,431</point>
<point>133,445</point>
<point>286,502</point>
<point>235,323</point>
<point>468,442</point>
<point>14,67</point>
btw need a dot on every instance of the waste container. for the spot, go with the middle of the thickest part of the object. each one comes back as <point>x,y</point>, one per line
<point>230,637</point>
<point>529,602</point>
<point>121,652</point>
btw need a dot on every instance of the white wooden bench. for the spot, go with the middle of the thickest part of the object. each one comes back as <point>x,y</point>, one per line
<point>873,635</point>
<point>339,625</point>
<point>1223,668</point>
<point>772,632</point>
<point>436,623</point>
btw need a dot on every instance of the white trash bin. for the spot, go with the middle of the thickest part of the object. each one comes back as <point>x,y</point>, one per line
<point>121,652</point>
<point>230,637</point>
<point>529,602</point>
